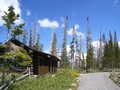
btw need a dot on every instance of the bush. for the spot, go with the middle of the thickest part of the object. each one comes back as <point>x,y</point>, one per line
<point>110,69</point>
<point>4,46</point>
<point>61,81</point>
<point>93,70</point>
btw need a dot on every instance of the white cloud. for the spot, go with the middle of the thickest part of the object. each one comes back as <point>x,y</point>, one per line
<point>85,55</point>
<point>96,44</point>
<point>4,7</point>
<point>69,32</point>
<point>78,33</point>
<point>47,51</point>
<point>28,13</point>
<point>46,23</point>
<point>76,26</point>
<point>119,43</point>
<point>68,48</point>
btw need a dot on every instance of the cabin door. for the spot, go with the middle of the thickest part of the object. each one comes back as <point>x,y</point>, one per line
<point>43,70</point>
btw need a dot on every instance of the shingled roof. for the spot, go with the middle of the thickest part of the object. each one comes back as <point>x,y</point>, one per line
<point>44,55</point>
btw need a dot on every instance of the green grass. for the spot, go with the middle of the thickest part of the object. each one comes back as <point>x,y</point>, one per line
<point>115,78</point>
<point>80,70</point>
<point>8,76</point>
<point>111,69</point>
<point>61,81</point>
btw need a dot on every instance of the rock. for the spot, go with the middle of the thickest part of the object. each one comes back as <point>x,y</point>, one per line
<point>73,84</point>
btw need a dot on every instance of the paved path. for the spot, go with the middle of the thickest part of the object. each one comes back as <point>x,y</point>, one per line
<point>96,81</point>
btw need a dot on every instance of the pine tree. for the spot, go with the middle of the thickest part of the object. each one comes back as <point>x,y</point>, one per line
<point>111,51</point>
<point>105,57</point>
<point>118,61</point>
<point>10,17</point>
<point>104,44</point>
<point>24,39</point>
<point>17,30</point>
<point>89,59</point>
<point>37,46</point>
<point>116,50</point>
<point>64,58</point>
<point>30,41</point>
<point>54,45</point>
<point>80,51</point>
<point>77,51</point>
<point>34,34</point>
<point>58,50</point>
<point>72,49</point>
<point>104,39</point>
<point>100,52</point>
<point>83,61</point>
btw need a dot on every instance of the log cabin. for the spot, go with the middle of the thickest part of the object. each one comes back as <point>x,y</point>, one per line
<point>42,63</point>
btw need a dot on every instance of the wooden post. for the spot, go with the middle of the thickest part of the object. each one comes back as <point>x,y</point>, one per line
<point>50,66</point>
<point>53,65</point>
<point>3,77</point>
<point>29,72</point>
<point>13,78</point>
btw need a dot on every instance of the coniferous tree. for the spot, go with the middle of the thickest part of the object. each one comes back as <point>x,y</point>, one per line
<point>116,50</point>
<point>30,41</point>
<point>77,51</point>
<point>37,46</point>
<point>34,31</point>
<point>54,45</point>
<point>72,49</point>
<point>104,45</point>
<point>80,51</point>
<point>58,51</point>
<point>104,40</point>
<point>100,52</point>
<point>10,17</point>
<point>64,58</point>
<point>38,40</point>
<point>105,57</point>
<point>111,51</point>
<point>118,61</point>
<point>83,61</point>
<point>17,30</point>
<point>24,39</point>
<point>89,59</point>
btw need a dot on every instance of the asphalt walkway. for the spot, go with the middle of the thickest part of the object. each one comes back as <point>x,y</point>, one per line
<point>96,81</point>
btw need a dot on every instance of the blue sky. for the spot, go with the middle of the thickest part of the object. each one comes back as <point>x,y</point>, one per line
<point>104,14</point>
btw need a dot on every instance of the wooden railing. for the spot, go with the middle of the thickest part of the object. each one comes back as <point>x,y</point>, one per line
<point>6,84</point>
